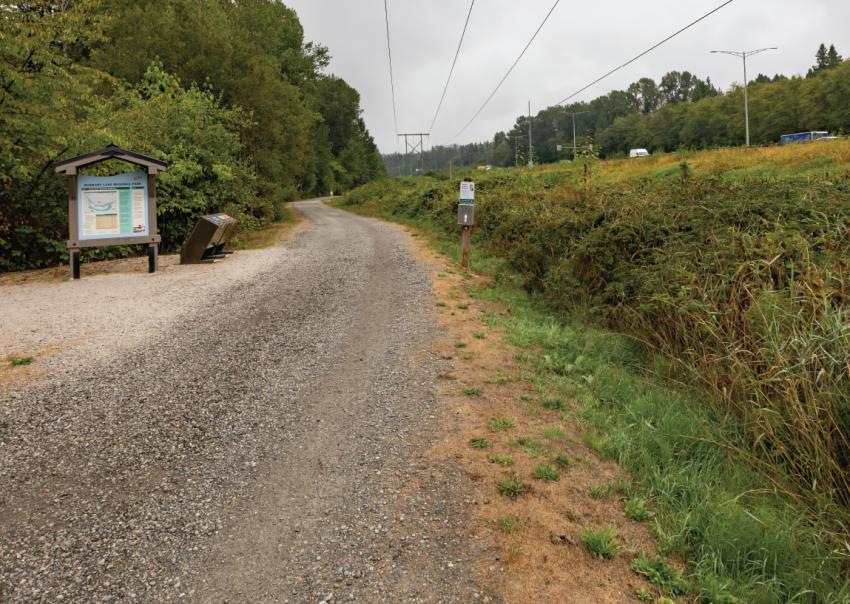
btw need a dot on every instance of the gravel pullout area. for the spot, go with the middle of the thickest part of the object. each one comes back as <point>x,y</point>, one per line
<point>265,444</point>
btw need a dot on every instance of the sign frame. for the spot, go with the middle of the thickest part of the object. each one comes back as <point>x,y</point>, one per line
<point>75,242</point>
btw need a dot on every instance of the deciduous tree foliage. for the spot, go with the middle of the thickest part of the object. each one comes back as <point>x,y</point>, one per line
<point>228,92</point>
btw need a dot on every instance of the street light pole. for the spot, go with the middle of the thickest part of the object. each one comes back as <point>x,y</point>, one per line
<point>530,152</point>
<point>574,114</point>
<point>743,54</point>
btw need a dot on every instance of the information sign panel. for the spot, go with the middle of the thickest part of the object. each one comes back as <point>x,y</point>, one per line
<point>467,192</point>
<point>112,206</point>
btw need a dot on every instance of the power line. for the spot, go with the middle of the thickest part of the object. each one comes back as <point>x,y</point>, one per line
<point>505,77</point>
<point>452,70</point>
<point>390,56</point>
<point>646,52</point>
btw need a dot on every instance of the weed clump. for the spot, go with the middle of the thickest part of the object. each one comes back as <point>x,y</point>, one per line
<point>501,424</point>
<point>601,543</point>
<point>554,404</point>
<point>637,510</point>
<point>546,473</point>
<point>512,486</point>
<point>508,523</point>
<point>502,460</point>
<point>661,574</point>
<point>562,460</point>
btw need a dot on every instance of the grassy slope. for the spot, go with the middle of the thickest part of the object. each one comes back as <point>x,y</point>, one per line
<point>716,501</point>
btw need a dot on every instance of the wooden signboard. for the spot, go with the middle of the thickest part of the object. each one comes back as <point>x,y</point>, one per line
<point>112,210</point>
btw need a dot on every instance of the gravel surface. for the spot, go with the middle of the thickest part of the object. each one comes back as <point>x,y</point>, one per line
<point>68,322</point>
<point>265,443</point>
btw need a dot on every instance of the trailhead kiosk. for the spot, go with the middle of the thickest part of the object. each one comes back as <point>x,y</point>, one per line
<point>112,210</point>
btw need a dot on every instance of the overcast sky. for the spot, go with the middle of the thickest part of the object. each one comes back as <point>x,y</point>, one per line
<point>580,42</point>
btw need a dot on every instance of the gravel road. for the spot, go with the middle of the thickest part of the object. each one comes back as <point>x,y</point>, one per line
<point>264,442</point>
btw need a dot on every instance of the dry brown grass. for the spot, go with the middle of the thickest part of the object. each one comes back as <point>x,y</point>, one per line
<point>833,155</point>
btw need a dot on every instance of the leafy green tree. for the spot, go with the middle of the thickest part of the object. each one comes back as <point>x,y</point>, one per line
<point>228,92</point>
<point>46,102</point>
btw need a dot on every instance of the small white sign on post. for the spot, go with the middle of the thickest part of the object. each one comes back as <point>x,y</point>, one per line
<point>467,192</point>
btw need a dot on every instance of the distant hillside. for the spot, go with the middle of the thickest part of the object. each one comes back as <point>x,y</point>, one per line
<point>680,111</point>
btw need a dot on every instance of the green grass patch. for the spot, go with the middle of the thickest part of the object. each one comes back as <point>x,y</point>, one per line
<point>472,391</point>
<point>562,460</point>
<point>508,523</point>
<point>499,378</point>
<point>501,424</point>
<point>601,491</point>
<point>22,361</point>
<point>637,510</point>
<point>546,473</point>
<point>554,433</point>
<point>502,460</point>
<point>479,335</point>
<point>532,446</point>
<point>512,486</point>
<point>479,443</point>
<point>662,575</point>
<point>554,404</point>
<point>601,543</point>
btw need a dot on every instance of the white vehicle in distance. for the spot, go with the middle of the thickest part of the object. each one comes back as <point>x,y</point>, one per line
<point>638,153</point>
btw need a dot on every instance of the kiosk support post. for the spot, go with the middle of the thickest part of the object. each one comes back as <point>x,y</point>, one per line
<point>153,257</point>
<point>75,264</point>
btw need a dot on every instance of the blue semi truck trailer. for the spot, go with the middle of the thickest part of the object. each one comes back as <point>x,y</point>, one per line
<point>802,137</point>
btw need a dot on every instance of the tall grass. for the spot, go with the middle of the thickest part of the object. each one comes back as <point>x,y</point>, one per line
<point>734,263</point>
<point>744,540</point>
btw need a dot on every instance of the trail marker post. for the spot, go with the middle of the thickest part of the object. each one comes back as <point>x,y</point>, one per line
<point>466,218</point>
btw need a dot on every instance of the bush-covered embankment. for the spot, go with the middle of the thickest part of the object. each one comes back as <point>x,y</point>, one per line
<point>735,263</point>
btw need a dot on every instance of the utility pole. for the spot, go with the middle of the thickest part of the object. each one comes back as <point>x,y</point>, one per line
<point>530,148</point>
<point>415,147</point>
<point>574,114</point>
<point>743,54</point>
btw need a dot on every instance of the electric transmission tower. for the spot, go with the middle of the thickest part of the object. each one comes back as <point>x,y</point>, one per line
<point>414,142</point>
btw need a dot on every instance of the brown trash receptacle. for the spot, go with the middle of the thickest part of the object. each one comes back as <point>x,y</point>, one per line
<point>207,240</point>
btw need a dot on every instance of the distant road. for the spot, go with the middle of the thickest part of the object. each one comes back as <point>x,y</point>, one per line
<point>266,444</point>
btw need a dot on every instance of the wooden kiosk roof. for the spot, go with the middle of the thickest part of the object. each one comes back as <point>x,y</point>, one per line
<point>70,166</point>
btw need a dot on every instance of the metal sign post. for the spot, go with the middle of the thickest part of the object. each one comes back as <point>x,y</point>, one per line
<point>466,218</point>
